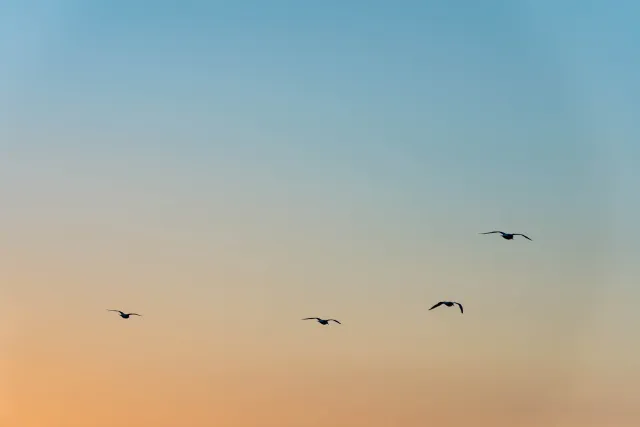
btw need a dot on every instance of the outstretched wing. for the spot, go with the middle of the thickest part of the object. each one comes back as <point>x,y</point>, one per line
<point>117,311</point>
<point>519,234</point>
<point>311,318</point>
<point>437,305</point>
<point>329,320</point>
<point>491,232</point>
<point>135,314</point>
<point>461,309</point>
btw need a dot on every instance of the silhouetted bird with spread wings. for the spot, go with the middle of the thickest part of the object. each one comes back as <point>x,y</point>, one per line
<point>507,236</point>
<point>125,315</point>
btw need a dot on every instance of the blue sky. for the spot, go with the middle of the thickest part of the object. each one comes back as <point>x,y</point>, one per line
<point>517,99</point>
<point>530,100</point>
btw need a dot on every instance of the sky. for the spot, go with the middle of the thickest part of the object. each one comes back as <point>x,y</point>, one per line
<point>229,168</point>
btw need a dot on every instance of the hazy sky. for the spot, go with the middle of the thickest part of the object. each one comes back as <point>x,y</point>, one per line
<point>228,168</point>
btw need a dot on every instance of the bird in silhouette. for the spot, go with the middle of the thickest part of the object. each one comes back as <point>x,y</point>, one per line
<point>323,321</point>
<point>448,304</point>
<point>507,236</point>
<point>126,315</point>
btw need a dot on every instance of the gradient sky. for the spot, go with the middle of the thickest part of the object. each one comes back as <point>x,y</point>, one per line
<point>228,168</point>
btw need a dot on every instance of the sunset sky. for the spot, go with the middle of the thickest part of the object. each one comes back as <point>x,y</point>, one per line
<point>229,168</point>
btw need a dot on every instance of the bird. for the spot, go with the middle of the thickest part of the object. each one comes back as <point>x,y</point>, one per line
<point>507,236</point>
<point>323,321</point>
<point>448,304</point>
<point>125,315</point>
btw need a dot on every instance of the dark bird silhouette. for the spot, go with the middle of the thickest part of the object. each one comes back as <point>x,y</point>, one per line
<point>323,321</point>
<point>448,304</point>
<point>125,315</point>
<point>507,236</point>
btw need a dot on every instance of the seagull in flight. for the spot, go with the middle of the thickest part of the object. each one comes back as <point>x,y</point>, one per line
<point>448,304</point>
<point>126,315</point>
<point>507,236</point>
<point>323,321</point>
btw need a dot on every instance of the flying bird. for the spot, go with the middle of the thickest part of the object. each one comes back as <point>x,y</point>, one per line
<point>323,321</point>
<point>448,304</point>
<point>125,315</point>
<point>507,236</point>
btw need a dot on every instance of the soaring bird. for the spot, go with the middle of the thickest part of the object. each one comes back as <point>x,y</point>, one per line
<point>448,304</point>
<point>323,321</point>
<point>126,315</point>
<point>507,236</point>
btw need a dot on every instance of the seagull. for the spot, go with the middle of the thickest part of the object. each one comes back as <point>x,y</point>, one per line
<point>507,236</point>
<point>126,315</point>
<point>448,304</point>
<point>322,321</point>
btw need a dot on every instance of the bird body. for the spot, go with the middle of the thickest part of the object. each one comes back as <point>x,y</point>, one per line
<point>448,304</point>
<point>125,315</point>
<point>323,322</point>
<point>507,236</point>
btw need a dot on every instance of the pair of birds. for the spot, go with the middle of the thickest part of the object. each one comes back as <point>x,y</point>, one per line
<point>506,236</point>
<point>445,303</point>
<point>321,321</point>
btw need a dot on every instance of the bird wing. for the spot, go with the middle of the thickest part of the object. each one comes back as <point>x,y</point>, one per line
<point>329,320</point>
<point>461,309</point>
<point>311,318</point>
<point>491,232</point>
<point>134,314</point>
<point>118,311</point>
<point>437,305</point>
<point>519,234</point>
